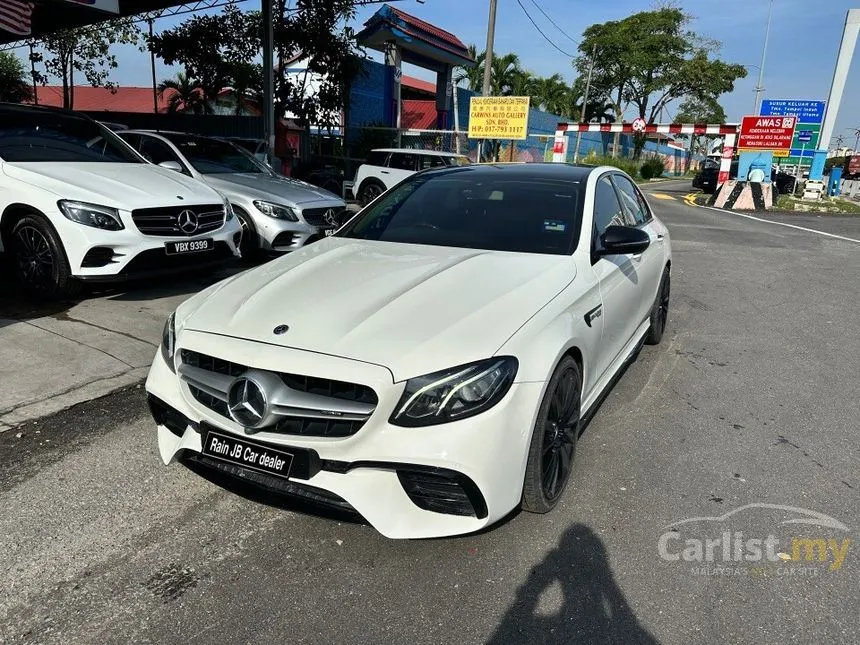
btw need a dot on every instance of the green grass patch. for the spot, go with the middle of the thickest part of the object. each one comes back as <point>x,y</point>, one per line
<point>825,205</point>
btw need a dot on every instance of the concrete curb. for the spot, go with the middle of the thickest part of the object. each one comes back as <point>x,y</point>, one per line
<point>59,402</point>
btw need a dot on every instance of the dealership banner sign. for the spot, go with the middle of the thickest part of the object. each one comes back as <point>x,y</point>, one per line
<point>111,6</point>
<point>498,117</point>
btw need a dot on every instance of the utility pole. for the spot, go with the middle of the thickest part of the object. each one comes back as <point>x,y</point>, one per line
<point>152,67</point>
<point>488,61</point>
<point>584,104</point>
<point>758,88</point>
<point>33,73</point>
<point>268,80</point>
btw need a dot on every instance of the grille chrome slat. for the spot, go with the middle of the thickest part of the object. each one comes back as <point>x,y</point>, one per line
<point>165,221</point>
<point>308,406</point>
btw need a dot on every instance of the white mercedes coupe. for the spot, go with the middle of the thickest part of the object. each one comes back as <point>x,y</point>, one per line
<point>429,366</point>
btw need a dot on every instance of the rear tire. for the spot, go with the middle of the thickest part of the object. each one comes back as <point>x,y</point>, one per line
<point>553,445</point>
<point>660,311</point>
<point>38,259</point>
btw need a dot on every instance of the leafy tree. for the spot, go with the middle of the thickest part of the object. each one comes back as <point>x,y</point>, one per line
<point>246,81</point>
<point>209,47</point>
<point>699,110</point>
<point>13,86</point>
<point>473,76</point>
<point>524,83</point>
<point>554,95</point>
<point>85,50</point>
<point>182,93</point>
<point>650,59</point>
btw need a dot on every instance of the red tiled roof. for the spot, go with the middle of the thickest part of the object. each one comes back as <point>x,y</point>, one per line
<point>99,99</point>
<point>447,36</point>
<point>418,115</point>
<point>418,84</point>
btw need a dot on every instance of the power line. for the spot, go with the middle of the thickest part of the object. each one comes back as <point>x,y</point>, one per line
<point>554,24</point>
<point>540,31</point>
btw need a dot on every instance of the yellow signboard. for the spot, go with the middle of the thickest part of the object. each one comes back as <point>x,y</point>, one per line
<point>498,117</point>
<point>776,153</point>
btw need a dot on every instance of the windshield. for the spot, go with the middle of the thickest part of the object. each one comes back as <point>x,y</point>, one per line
<point>44,135</point>
<point>459,207</point>
<point>212,157</point>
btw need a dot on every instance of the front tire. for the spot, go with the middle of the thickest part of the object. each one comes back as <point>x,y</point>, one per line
<point>370,190</point>
<point>660,311</point>
<point>249,246</point>
<point>554,437</point>
<point>38,259</point>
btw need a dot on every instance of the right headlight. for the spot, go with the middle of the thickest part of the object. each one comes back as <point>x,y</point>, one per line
<point>168,341</point>
<point>456,393</point>
<point>277,211</point>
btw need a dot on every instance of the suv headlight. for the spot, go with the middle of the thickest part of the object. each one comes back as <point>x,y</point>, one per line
<point>456,393</point>
<point>228,210</point>
<point>103,217</point>
<point>277,211</point>
<point>168,341</point>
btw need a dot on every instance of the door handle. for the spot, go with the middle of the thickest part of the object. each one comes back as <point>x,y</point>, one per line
<point>383,172</point>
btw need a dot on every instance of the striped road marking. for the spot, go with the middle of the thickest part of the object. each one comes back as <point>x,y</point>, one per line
<point>661,196</point>
<point>690,199</point>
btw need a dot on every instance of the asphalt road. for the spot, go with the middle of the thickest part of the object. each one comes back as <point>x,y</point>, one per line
<point>752,398</point>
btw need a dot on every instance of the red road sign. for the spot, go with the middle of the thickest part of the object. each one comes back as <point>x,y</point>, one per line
<point>767,132</point>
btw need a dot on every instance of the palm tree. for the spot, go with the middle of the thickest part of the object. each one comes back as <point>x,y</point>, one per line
<point>182,93</point>
<point>473,76</point>
<point>505,69</point>
<point>554,95</point>
<point>525,84</point>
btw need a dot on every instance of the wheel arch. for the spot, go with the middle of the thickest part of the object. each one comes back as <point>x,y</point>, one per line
<point>12,213</point>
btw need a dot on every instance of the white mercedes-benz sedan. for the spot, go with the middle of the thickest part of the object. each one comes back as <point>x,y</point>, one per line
<point>428,366</point>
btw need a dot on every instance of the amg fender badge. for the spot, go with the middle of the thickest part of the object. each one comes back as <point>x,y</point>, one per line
<point>594,313</point>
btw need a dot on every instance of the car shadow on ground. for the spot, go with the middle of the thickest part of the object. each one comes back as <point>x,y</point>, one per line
<point>17,305</point>
<point>590,608</point>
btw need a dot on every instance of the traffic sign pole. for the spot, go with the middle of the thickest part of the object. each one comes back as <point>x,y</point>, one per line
<point>799,164</point>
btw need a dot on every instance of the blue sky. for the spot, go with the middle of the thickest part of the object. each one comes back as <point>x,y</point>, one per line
<point>804,42</point>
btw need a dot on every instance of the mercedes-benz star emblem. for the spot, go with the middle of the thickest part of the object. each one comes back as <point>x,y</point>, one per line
<point>247,403</point>
<point>330,217</point>
<point>280,329</point>
<point>187,222</point>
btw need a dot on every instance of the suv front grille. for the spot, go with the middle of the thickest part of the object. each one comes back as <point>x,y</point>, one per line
<point>165,221</point>
<point>317,217</point>
<point>352,401</point>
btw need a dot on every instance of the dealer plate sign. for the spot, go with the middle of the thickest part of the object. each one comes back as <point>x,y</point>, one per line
<point>498,117</point>
<point>767,133</point>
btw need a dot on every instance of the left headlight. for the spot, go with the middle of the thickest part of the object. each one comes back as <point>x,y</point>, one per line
<point>168,341</point>
<point>276,210</point>
<point>456,393</point>
<point>228,210</point>
<point>103,217</point>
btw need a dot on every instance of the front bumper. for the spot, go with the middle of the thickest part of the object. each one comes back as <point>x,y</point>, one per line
<point>282,236</point>
<point>106,256</point>
<point>366,470</point>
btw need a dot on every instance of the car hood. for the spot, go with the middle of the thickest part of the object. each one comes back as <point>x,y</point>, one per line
<point>124,186</point>
<point>414,309</point>
<point>279,189</point>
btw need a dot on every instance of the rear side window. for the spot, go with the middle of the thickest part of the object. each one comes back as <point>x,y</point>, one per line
<point>402,161</point>
<point>431,161</point>
<point>377,158</point>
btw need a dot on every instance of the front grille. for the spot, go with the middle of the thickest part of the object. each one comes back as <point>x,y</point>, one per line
<point>443,491</point>
<point>295,423</point>
<point>316,216</point>
<point>165,221</point>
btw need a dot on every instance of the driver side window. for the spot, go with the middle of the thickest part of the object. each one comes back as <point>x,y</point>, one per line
<point>157,151</point>
<point>607,210</point>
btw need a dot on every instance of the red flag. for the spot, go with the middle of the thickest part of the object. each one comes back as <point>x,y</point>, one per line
<point>15,16</point>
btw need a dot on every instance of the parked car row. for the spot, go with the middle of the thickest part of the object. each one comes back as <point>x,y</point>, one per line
<point>706,178</point>
<point>80,202</point>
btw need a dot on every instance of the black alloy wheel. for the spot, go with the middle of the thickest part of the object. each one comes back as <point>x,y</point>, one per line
<point>660,311</point>
<point>370,191</point>
<point>34,259</point>
<point>553,446</point>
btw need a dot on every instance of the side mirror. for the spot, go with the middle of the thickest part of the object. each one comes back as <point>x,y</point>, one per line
<point>623,240</point>
<point>171,165</point>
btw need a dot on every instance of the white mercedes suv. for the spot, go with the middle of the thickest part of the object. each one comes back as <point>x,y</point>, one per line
<point>429,365</point>
<point>78,204</point>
